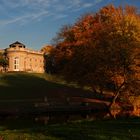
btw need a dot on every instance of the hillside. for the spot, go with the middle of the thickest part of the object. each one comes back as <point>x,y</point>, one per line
<point>25,91</point>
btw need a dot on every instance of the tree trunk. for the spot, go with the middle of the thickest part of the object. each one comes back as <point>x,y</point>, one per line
<point>117,92</point>
<point>101,91</point>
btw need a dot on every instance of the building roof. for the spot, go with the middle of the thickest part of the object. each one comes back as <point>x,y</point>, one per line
<point>17,43</point>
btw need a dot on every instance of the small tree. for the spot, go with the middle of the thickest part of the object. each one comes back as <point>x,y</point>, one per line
<point>3,62</point>
<point>49,64</point>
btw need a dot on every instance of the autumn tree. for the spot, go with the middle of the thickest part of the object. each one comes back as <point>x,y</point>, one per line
<point>99,49</point>
<point>64,47</point>
<point>49,64</point>
<point>47,49</point>
<point>3,62</point>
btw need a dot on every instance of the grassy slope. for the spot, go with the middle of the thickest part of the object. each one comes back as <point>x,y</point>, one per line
<point>26,86</point>
<point>24,89</point>
<point>87,130</point>
<point>35,86</point>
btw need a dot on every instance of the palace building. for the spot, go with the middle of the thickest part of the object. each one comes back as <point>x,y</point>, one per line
<point>23,59</point>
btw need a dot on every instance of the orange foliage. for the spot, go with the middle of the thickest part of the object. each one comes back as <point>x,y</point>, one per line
<point>98,46</point>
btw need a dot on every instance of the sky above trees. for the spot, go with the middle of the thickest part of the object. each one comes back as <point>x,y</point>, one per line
<point>36,22</point>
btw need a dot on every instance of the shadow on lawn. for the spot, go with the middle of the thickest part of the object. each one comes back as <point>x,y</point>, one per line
<point>25,90</point>
<point>86,130</point>
<point>32,86</point>
<point>28,86</point>
<point>25,86</point>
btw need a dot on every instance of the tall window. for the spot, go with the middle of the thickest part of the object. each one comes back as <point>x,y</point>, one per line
<point>16,63</point>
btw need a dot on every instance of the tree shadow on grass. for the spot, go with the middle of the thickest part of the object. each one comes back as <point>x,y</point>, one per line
<point>31,86</point>
<point>23,90</point>
<point>108,129</point>
<point>87,130</point>
<point>25,86</point>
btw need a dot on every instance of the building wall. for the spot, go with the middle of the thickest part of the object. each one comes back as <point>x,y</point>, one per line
<point>23,59</point>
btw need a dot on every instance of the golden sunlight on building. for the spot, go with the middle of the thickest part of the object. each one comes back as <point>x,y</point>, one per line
<point>23,59</point>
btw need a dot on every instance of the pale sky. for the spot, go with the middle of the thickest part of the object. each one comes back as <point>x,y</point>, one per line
<point>35,22</point>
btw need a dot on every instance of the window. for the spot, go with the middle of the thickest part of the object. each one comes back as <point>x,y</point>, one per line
<point>16,63</point>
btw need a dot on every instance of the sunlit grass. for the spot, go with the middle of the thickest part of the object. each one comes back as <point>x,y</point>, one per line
<point>123,129</point>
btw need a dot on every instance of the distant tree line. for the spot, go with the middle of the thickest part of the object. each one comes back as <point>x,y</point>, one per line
<point>101,50</point>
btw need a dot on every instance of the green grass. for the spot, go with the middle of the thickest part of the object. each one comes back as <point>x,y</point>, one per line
<point>23,89</point>
<point>100,130</point>
<point>20,89</point>
<point>85,130</point>
<point>25,86</point>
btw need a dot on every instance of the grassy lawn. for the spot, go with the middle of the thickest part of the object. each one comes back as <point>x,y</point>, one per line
<point>26,86</point>
<point>127,129</point>
<point>26,89</point>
